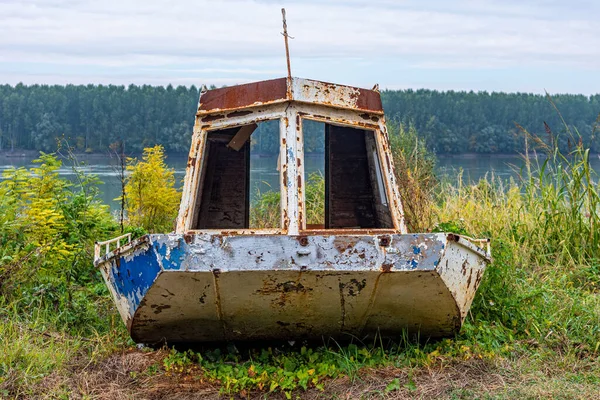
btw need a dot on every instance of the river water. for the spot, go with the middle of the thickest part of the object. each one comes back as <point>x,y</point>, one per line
<point>265,177</point>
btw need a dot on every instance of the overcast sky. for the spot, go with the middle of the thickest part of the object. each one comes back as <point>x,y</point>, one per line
<point>527,46</point>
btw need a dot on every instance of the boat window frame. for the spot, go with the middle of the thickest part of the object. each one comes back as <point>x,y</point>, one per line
<point>377,135</point>
<point>199,168</point>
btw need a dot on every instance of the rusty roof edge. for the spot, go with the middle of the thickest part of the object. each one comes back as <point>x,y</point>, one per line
<point>276,91</point>
<point>295,78</point>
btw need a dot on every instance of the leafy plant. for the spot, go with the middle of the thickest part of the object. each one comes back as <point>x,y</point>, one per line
<point>152,200</point>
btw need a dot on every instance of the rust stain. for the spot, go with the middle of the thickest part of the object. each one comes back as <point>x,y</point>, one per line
<point>368,100</point>
<point>158,308</point>
<point>325,117</point>
<point>283,290</point>
<point>239,114</point>
<point>342,243</point>
<point>464,268</point>
<point>453,237</point>
<point>342,305</point>
<point>191,162</point>
<point>353,287</point>
<point>387,267</point>
<point>244,95</point>
<point>286,220</point>
<point>478,276</point>
<point>469,279</point>
<point>214,117</point>
<point>350,231</point>
<point>384,241</point>
<point>283,287</point>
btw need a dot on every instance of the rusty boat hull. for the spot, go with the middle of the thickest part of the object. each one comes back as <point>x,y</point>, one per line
<point>204,287</point>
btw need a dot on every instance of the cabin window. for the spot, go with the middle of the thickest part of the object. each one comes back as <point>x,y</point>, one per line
<point>352,189</point>
<point>239,184</point>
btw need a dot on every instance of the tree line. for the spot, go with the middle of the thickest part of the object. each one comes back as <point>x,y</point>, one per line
<point>91,117</point>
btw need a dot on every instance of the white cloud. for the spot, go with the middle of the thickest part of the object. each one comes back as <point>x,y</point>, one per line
<point>199,41</point>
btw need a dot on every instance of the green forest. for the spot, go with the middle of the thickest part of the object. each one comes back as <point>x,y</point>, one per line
<point>92,117</point>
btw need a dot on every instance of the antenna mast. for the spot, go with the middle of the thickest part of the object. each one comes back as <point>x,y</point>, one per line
<point>287,48</point>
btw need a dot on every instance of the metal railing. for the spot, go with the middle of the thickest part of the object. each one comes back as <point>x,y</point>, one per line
<point>478,241</point>
<point>107,243</point>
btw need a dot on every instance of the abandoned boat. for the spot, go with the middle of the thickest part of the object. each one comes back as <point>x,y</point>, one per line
<point>356,271</point>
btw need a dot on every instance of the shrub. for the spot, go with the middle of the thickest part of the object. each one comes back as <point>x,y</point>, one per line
<point>48,226</point>
<point>152,200</point>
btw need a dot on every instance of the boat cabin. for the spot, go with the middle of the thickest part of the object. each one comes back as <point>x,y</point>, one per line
<point>236,126</point>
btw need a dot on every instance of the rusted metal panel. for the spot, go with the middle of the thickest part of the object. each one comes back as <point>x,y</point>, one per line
<point>208,287</point>
<point>333,95</point>
<point>218,102</point>
<point>241,96</point>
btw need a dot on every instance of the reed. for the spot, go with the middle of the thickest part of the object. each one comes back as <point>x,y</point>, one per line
<point>544,280</point>
<point>415,176</point>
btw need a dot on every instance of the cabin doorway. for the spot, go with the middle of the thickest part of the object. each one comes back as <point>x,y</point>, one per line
<point>234,190</point>
<point>353,191</point>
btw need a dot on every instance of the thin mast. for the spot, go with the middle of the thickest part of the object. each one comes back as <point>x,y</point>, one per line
<point>287,48</point>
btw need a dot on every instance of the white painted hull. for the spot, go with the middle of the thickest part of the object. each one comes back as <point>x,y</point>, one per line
<point>199,288</point>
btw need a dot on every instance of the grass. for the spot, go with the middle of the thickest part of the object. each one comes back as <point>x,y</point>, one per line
<point>533,330</point>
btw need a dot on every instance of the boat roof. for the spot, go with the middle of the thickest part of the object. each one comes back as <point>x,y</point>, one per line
<point>297,89</point>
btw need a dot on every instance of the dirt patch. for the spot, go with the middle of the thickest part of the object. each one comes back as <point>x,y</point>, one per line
<point>131,374</point>
<point>137,374</point>
<point>437,382</point>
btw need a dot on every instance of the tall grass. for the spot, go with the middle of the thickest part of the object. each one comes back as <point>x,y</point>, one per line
<point>544,282</point>
<point>415,176</point>
<point>265,211</point>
